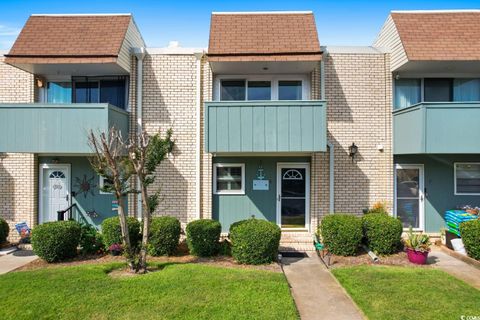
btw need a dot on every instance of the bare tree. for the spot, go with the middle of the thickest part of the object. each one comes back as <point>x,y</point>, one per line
<point>110,161</point>
<point>145,154</point>
<point>120,161</point>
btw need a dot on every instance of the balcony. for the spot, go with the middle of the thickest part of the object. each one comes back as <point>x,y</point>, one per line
<point>437,127</point>
<point>56,128</point>
<point>265,126</point>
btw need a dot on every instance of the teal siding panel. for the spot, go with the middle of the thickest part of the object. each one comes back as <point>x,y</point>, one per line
<point>433,128</point>
<point>439,185</point>
<point>283,129</point>
<point>258,129</point>
<point>234,129</point>
<point>44,128</point>
<point>246,123</point>
<point>265,126</point>
<point>295,124</point>
<point>271,138</point>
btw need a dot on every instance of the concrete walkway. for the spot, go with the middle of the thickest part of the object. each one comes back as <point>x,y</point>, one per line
<point>316,292</point>
<point>16,260</point>
<point>455,267</point>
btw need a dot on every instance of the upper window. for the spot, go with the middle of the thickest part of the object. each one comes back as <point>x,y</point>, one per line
<point>229,178</point>
<point>111,90</point>
<point>290,90</point>
<point>232,90</point>
<point>59,92</point>
<point>409,91</point>
<point>259,90</point>
<point>438,90</point>
<point>467,178</point>
<point>263,88</point>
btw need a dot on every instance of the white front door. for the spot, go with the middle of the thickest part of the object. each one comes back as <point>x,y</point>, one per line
<point>54,190</point>
<point>409,195</point>
<point>293,195</point>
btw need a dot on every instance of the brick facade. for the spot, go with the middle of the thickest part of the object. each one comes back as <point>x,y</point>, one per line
<point>358,93</point>
<point>18,173</point>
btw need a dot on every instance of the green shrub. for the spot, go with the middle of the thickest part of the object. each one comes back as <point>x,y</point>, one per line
<point>112,233</point>
<point>382,233</point>
<point>470,232</point>
<point>255,241</point>
<point>4,230</point>
<point>203,237</point>
<point>90,240</point>
<point>341,233</point>
<point>164,236</point>
<point>56,241</point>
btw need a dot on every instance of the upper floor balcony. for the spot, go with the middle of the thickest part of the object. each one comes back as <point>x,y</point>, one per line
<point>56,128</point>
<point>437,128</point>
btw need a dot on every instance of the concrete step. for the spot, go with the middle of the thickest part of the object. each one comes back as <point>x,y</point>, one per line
<point>5,251</point>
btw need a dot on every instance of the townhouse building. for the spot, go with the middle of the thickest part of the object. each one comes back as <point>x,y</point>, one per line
<point>268,122</point>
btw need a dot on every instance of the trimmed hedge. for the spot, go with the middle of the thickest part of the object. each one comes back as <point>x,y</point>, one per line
<point>112,232</point>
<point>4,230</point>
<point>56,241</point>
<point>255,241</point>
<point>90,240</point>
<point>383,233</point>
<point>164,236</point>
<point>470,232</point>
<point>341,233</point>
<point>203,237</point>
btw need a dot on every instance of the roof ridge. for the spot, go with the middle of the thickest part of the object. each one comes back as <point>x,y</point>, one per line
<point>78,14</point>
<point>437,11</point>
<point>262,12</point>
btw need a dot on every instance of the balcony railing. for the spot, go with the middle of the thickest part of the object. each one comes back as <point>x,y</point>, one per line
<point>56,128</point>
<point>437,127</point>
<point>265,126</point>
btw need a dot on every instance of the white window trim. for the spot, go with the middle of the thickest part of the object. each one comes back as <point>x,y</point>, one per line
<point>273,78</point>
<point>101,184</point>
<point>228,165</point>
<point>455,179</point>
<point>420,193</point>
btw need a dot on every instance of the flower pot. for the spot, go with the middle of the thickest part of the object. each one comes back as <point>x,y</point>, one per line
<point>417,257</point>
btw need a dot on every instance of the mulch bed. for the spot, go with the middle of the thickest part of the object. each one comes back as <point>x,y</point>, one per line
<point>182,256</point>
<point>397,259</point>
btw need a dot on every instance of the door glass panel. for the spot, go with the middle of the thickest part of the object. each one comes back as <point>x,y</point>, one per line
<point>86,92</point>
<point>408,196</point>
<point>290,90</point>
<point>293,198</point>
<point>259,90</point>
<point>113,92</point>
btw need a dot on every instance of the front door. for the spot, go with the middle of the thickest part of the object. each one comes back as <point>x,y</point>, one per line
<point>54,190</point>
<point>293,191</point>
<point>409,195</point>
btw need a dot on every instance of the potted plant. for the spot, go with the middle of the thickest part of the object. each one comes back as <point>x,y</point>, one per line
<point>115,249</point>
<point>418,246</point>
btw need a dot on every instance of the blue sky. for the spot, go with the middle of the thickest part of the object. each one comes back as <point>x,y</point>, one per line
<point>338,22</point>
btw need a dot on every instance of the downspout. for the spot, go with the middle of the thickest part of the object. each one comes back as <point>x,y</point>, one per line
<point>198,99</point>
<point>330,145</point>
<point>139,54</point>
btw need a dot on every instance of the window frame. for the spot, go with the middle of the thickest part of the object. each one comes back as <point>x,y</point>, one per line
<point>228,192</point>
<point>455,180</point>
<point>101,184</point>
<point>274,80</point>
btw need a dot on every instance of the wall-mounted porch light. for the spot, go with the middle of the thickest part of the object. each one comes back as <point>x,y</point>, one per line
<point>352,151</point>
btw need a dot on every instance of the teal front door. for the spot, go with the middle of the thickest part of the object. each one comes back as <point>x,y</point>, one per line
<point>293,192</point>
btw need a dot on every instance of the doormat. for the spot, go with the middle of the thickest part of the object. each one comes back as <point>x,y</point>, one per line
<point>293,254</point>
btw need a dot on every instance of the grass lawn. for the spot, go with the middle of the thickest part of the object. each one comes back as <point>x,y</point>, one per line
<point>179,291</point>
<point>408,293</point>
